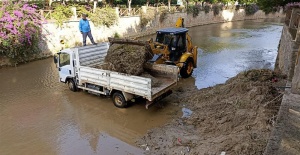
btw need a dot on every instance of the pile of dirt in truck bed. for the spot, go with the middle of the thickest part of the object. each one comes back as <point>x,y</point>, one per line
<point>126,58</point>
<point>154,81</point>
<point>235,117</point>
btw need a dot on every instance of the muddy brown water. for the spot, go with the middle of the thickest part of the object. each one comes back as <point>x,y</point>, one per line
<point>39,115</point>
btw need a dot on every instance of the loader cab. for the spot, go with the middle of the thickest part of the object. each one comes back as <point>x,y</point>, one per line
<point>175,38</point>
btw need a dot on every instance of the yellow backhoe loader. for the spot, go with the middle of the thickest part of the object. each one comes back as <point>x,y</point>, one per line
<point>172,46</point>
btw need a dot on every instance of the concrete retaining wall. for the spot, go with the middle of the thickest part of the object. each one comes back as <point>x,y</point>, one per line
<point>289,50</point>
<point>296,78</point>
<point>285,136</point>
<point>130,27</point>
<point>287,53</point>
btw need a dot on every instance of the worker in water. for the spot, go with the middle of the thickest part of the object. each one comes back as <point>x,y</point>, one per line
<point>85,29</point>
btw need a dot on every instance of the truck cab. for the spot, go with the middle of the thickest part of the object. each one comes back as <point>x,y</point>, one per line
<point>66,66</point>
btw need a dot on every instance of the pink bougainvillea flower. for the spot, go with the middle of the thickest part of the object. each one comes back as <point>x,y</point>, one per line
<point>25,22</point>
<point>19,14</point>
<point>9,26</point>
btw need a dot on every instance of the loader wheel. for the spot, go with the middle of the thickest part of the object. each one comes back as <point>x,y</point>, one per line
<point>119,100</point>
<point>72,85</point>
<point>187,68</point>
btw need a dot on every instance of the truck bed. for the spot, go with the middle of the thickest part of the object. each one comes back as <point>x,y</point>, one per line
<point>90,60</point>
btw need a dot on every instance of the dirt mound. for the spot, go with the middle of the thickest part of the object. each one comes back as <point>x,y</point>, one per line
<point>154,81</point>
<point>126,58</point>
<point>235,117</point>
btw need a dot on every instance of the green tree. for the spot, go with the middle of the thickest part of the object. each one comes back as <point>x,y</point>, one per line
<point>247,1</point>
<point>268,5</point>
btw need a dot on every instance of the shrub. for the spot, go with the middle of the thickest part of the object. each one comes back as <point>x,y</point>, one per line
<point>20,30</point>
<point>82,9</point>
<point>267,10</point>
<point>237,7</point>
<point>193,9</point>
<point>104,16</point>
<point>163,15</point>
<point>251,9</point>
<point>181,8</point>
<point>61,14</point>
<point>206,8</point>
<point>292,5</point>
<point>39,4</point>
<point>216,9</point>
<point>117,35</point>
<point>147,17</point>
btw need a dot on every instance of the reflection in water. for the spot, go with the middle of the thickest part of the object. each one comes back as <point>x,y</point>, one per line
<point>229,48</point>
<point>39,115</point>
<point>226,49</point>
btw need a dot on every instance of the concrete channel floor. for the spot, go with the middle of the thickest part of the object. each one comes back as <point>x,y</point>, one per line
<point>285,137</point>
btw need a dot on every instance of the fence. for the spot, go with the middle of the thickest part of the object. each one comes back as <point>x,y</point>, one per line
<point>132,12</point>
<point>47,14</point>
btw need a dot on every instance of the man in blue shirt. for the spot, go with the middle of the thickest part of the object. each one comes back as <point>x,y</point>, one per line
<point>85,29</point>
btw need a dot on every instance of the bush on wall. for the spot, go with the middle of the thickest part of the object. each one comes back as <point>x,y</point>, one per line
<point>193,9</point>
<point>61,14</point>
<point>251,9</point>
<point>216,9</point>
<point>147,17</point>
<point>206,8</point>
<point>104,16</point>
<point>20,30</point>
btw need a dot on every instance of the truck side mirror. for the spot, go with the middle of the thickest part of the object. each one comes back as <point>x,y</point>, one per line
<point>55,59</point>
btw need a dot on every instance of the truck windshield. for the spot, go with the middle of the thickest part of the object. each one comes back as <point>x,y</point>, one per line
<point>64,59</point>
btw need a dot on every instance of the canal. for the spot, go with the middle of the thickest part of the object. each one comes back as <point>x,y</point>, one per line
<point>39,115</point>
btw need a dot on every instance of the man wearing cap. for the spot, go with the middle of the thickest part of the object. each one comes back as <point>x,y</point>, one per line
<point>85,29</point>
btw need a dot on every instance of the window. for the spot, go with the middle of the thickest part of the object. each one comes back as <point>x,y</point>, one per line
<point>165,38</point>
<point>181,43</point>
<point>64,59</point>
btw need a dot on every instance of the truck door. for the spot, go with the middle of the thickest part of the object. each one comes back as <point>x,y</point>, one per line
<point>65,67</point>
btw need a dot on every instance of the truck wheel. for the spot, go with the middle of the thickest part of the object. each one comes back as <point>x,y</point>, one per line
<point>119,100</point>
<point>187,68</point>
<point>72,85</point>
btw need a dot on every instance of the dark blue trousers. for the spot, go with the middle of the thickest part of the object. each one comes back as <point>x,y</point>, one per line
<point>89,34</point>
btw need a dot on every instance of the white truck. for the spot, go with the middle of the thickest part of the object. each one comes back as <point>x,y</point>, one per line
<point>77,68</point>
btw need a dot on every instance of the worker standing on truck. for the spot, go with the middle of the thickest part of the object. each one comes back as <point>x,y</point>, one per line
<point>85,29</point>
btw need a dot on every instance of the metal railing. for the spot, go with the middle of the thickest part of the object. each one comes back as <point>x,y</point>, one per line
<point>46,13</point>
<point>132,12</point>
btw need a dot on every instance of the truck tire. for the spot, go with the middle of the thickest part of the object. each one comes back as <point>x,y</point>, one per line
<point>72,85</point>
<point>187,68</point>
<point>119,100</point>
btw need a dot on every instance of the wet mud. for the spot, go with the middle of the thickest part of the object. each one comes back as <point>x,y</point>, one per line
<point>235,117</point>
<point>40,115</point>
